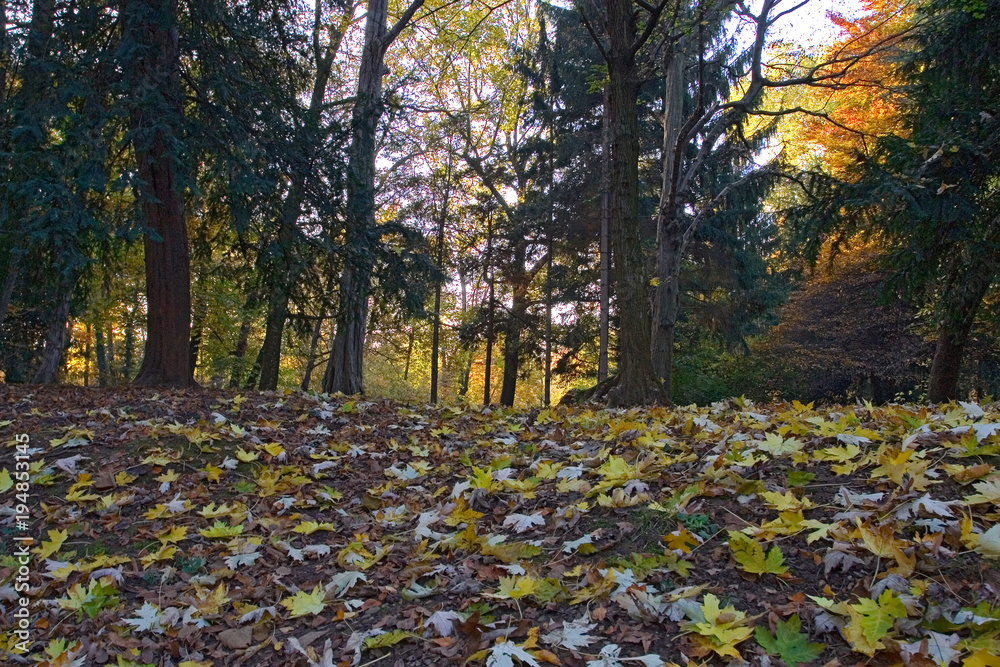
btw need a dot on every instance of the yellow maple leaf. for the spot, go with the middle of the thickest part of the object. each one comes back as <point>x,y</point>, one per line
<point>303,604</point>
<point>982,658</point>
<point>515,588</point>
<point>881,541</point>
<point>163,553</point>
<point>54,543</point>
<point>123,478</point>
<point>273,448</point>
<point>211,603</point>
<point>213,473</point>
<point>5,480</point>
<point>682,540</point>
<point>786,502</point>
<point>310,527</point>
<point>220,529</point>
<point>722,629</point>
<point>246,456</point>
<point>172,534</point>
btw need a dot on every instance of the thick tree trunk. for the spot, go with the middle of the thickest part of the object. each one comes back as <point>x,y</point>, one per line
<point>55,338</point>
<point>669,233</point>
<point>512,348</point>
<point>605,247</point>
<point>269,358</point>
<point>344,371</point>
<point>5,53</point>
<point>666,306</point>
<point>436,335</point>
<point>490,307</point>
<point>166,360</point>
<point>960,303</point>
<point>636,384</point>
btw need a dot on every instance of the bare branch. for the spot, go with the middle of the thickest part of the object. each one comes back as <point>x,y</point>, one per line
<point>654,19</point>
<point>593,35</point>
<point>393,33</point>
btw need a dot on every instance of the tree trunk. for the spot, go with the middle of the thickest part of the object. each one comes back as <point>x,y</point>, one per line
<point>669,232</point>
<point>960,303</point>
<point>466,370</point>
<point>5,59</point>
<point>109,354</point>
<point>436,335</point>
<point>9,283</point>
<point>86,356</point>
<point>166,360</point>
<point>313,347</point>
<point>102,359</point>
<point>288,266</point>
<point>605,249</point>
<point>242,342</point>
<point>129,347</point>
<point>490,307</point>
<point>636,384</point>
<point>512,345</point>
<point>344,371</point>
<point>55,338</point>
<point>269,358</point>
<point>197,329</point>
<point>409,354</point>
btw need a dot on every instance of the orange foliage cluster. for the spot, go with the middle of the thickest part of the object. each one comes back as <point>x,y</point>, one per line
<point>868,99</point>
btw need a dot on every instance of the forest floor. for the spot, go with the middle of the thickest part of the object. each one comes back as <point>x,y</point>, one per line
<point>192,528</point>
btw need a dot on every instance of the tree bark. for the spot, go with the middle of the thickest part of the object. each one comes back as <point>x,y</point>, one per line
<point>436,335</point>
<point>102,359</point>
<point>466,360</point>
<point>960,303</point>
<point>605,248</point>
<point>55,338</point>
<point>242,342</point>
<point>166,360</point>
<point>490,307</point>
<point>344,371</point>
<point>313,347</point>
<point>269,358</point>
<point>669,234</point>
<point>9,283</point>
<point>512,346</point>
<point>197,329</point>
<point>288,267</point>
<point>129,346</point>
<point>636,384</point>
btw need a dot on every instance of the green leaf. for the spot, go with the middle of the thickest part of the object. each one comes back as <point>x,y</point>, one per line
<point>878,617</point>
<point>750,555</point>
<point>791,645</point>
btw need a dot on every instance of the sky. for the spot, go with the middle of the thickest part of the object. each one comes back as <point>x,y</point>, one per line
<point>809,25</point>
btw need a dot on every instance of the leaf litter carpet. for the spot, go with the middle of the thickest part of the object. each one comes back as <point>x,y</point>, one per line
<point>196,528</point>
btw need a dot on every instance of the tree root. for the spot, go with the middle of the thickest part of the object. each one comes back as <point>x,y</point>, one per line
<point>609,393</point>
